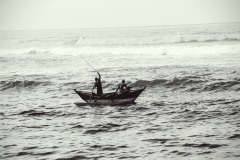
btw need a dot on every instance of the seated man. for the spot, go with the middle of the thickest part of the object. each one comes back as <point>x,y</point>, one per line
<point>122,86</point>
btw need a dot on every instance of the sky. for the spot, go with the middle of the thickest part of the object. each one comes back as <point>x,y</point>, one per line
<point>72,14</point>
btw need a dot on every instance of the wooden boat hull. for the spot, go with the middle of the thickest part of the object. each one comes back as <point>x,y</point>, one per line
<point>110,98</point>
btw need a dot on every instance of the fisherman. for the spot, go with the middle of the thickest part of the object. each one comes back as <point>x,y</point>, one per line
<point>122,86</point>
<point>98,84</point>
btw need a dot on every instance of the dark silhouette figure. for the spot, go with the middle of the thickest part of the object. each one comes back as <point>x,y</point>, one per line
<point>122,86</point>
<point>98,84</point>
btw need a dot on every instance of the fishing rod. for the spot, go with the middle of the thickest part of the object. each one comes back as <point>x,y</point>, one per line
<point>88,63</point>
<point>94,70</point>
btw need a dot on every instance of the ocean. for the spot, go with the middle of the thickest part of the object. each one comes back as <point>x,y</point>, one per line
<point>189,110</point>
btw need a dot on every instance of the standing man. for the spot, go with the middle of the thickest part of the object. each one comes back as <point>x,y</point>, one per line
<point>98,84</point>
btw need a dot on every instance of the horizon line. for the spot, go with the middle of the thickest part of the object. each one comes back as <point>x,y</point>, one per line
<point>115,27</point>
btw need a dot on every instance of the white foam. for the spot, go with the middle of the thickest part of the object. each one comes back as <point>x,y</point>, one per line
<point>152,50</point>
<point>153,40</point>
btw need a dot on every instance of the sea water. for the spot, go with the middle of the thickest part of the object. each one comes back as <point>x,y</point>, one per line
<point>190,108</point>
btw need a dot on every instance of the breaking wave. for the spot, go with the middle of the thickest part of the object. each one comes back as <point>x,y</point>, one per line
<point>120,40</point>
<point>4,85</point>
<point>189,83</point>
<point>36,51</point>
<point>83,41</point>
<point>151,49</point>
<point>192,84</point>
<point>174,82</point>
<point>222,86</point>
<point>123,36</point>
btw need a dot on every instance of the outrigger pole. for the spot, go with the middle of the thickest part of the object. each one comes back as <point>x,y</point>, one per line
<point>88,63</point>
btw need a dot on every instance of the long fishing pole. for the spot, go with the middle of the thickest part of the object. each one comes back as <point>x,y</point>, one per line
<point>94,70</point>
<point>88,63</point>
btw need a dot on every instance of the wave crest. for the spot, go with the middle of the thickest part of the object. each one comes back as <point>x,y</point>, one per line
<point>151,40</point>
<point>222,86</point>
<point>174,82</point>
<point>4,85</point>
<point>191,83</point>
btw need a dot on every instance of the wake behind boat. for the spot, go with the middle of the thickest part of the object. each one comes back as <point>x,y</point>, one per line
<point>111,98</point>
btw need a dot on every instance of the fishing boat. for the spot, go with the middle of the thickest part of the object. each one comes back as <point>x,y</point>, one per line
<point>111,98</point>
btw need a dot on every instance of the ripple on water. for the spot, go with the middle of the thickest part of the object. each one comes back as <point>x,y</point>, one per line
<point>204,145</point>
<point>234,136</point>
<point>108,147</point>
<point>158,140</point>
<point>109,127</point>
<point>78,126</point>
<point>79,157</point>
<point>35,153</point>
<point>181,153</point>
<point>30,148</point>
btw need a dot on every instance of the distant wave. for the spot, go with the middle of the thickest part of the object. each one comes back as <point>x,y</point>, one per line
<point>150,49</point>
<point>188,83</point>
<point>131,40</point>
<point>191,84</point>
<point>36,51</point>
<point>222,85</point>
<point>174,82</point>
<point>121,41</point>
<point>4,85</point>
